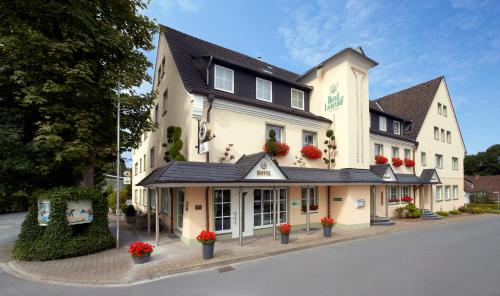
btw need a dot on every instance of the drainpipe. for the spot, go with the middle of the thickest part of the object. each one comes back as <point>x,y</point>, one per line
<point>171,191</point>
<point>328,202</point>
<point>207,212</point>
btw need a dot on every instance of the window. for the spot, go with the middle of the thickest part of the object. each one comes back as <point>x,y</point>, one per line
<point>454,163</point>
<point>379,149</point>
<point>263,207</point>
<point>144,197</point>
<point>145,135</point>
<point>278,130</point>
<point>222,209</point>
<point>405,191</point>
<point>156,114</point>
<point>382,123</point>
<point>164,200</point>
<point>224,79</point>
<point>397,127</point>
<point>447,195</point>
<point>436,133</point>
<point>136,166</point>
<point>448,137</point>
<point>165,101</point>
<point>423,158</point>
<point>162,67</point>
<point>297,99</point>
<point>455,191</point>
<point>152,157</point>
<point>136,196</point>
<point>140,165</point>
<point>264,90</point>
<point>408,154</point>
<point>152,196</point>
<point>439,193</point>
<point>442,135</point>
<point>445,111</point>
<point>439,161</point>
<point>144,163</point>
<point>440,108</point>
<point>395,152</point>
<point>308,138</point>
<point>392,194</point>
<point>158,76</point>
<point>313,200</point>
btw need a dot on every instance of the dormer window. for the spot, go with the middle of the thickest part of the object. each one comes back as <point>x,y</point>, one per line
<point>382,123</point>
<point>264,90</point>
<point>297,99</point>
<point>224,79</point>
<point>397,127</point>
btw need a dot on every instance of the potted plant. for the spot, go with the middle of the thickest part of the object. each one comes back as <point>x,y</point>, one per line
<point>285,229</point>
<point>380,159</point>
<point>140,252</point>
<point>409,163</point>
<point>275,148</point>
<point>311,152</point>
<point>327,223</point>
<point>130,214</point>
<point>397,162</point>
<point>207,240</point>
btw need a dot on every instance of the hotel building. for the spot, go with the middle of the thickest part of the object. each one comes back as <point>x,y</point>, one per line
<point>226,103</point>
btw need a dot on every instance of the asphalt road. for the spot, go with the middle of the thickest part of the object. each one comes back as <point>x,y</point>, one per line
<point>460,258</point>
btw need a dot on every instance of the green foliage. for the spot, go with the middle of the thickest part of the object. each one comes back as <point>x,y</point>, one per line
<point>329,151</point>
<point>14,202</point>
<point>480,198</point>
<point>60,65</point>
<point>483,206</point>
<point>483,163</point>
<point>174,144</point>
<point>130,211</point>
<point>272,144</point>
<point>443,214</point>
<point>123,200</point>
<point>408,211</point>
<point>471,210</point>
<point>58,239</point>
<point>455,212</point>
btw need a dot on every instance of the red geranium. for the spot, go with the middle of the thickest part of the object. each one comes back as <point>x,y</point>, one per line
<point>407,199</point>
<point>140,249</point>
<point>282,149</point>
<point>311,152</point>
<point>409,162</point>
<point>206,237</point>
<point>284,228</point>
<point>397,162</point>
<point>327,221</point>
<point>380,159</point>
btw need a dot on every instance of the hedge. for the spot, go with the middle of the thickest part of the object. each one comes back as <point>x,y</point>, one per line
<point>58,239</point>
<point>483,206</point>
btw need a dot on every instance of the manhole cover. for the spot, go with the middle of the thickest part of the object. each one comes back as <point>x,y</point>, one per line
<point>225,269</point>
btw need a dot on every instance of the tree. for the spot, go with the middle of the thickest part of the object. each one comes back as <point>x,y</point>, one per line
<point>483,163</point>
<point>329,151</point>
<point>60,65</point>
<point>174,144</point>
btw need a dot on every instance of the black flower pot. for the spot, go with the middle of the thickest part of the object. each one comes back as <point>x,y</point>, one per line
<point>142,259</point>
<point>208,251</point>
<point>327,231</point>
<point>285,237</point>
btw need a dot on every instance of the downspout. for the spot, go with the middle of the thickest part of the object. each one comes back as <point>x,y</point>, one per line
<point>328,201</point>
<point>210,102</point>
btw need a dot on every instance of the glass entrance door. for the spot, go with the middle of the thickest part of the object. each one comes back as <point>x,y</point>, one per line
<point>180,208</point>
<point>263,207</point>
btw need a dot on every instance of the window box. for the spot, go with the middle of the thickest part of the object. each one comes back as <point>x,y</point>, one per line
<point>409,163</point>
<point>380,159</point>
<point>311,152</point>
<point>397,162</point>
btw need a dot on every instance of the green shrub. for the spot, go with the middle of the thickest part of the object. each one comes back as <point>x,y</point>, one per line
<point>489,211</point>
<point>123,200</point>
<point>472,210</point>
<point>441,213</point>
<point>408,211</point>
<point>58,239</point>
<point>15,202</point>
<point>455,212</point>
<point>484,206</point>
<point>480,198</point>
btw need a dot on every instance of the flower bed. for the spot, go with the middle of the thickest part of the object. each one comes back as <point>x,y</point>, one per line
<point>311,152</point>
<point>397,162</point>
<point>380,159</point>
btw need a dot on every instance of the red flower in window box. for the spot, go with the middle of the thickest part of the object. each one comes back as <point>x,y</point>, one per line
<point>397,162</point>
<point>311,152</point>
<point>409,162</point>
<point>311,208</point>
<point>140,249</point>
<point>206,237</point>
<point>380,159</point>
<point>282,149</point>
<point>406,199</point>
<point>284,228</point>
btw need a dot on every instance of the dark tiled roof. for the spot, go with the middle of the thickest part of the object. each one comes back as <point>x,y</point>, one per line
<point>376,108</point>
<point>379,169</point>
<point>191,58</point>
<point>312,175</point>
<point>391,135</point>
<point>427,174</point>
<point>408,179</point>
<point>484,184</point>
<point>411,103</point>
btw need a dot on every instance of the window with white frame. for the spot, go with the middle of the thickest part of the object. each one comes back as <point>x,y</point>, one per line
<point>140,165</point>
<point>263,207</point>
<point>397,127</point>
<point>136,167</point>
<point>165,101</point>
<point>439,161</point>
<point>152,196</point>
<point>447,192</point>
<point>445,111</point>
<point>379,149</point>
<point>308,138</point>
<point>157,117</point>
<point>436,133</point>
<point>144,163</point>
<point>382,123</point>
<point>297,99</point>
<point>442,135</point>
<point>278,130</point>
<point>264,90</point>
<point>136,196</point>
<point>310,193</point>
<point>395,152</point>
<point>222,210</point>
<point>282,206</point>
<point>162,67</point>
<point>164,200</point>
<point>423,158</point>
<point>392,194</point>
<point>455,192</point>
<point>405,191</point>
<point>439,193</point>
<point>448,137</point>
<point>454,163</point>
<point>152,157</point>
<point>144,197</point>
<point>408,154</point>
<point>440,108</point>
<point>224,79</point>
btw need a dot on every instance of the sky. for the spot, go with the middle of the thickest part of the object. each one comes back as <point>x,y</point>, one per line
<point>413,42</point>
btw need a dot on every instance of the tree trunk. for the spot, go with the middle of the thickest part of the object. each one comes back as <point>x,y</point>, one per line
<point>87,178</point>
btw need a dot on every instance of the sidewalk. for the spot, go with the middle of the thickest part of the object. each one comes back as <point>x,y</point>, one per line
<point>172,256</point>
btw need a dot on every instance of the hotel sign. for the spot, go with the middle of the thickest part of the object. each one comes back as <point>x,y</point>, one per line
<point>334,99</point>
<point>265,169</point>
<point>77,212</point>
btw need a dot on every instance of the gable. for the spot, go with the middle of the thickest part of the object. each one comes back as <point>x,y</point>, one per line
<point>265,169</point>
<point>389,175</point>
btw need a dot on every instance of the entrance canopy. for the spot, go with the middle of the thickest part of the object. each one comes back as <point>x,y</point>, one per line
<point>385,171</point>
<point>249,170</point>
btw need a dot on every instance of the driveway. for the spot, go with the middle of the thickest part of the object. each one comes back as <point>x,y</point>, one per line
<point>10,225</point>
<point>461,258</point>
